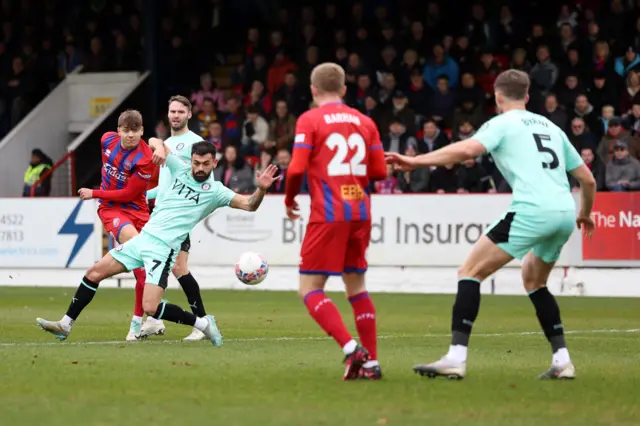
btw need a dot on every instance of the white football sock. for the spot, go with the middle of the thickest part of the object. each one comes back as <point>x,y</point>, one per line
<point>370,363</point>
<point>457,353</point>
<point>66,323</point>
<point>561,358</point>
<point>201,324</point>
<point>349,347</point>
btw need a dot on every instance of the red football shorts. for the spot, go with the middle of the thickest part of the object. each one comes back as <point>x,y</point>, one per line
<point>335,247</point>
<point>115,219</point>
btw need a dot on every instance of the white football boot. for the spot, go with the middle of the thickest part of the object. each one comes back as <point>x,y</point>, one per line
<point>152,328</point>
<point>443,367</point>
<point>563,372</point>
<point>195,335</point>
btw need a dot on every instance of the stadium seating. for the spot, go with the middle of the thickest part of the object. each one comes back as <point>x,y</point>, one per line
<point>32,61</point>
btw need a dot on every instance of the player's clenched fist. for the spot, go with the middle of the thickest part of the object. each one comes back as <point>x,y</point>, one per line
<point>293,211</point>
<point>85,193</point>
<point>159,151</point>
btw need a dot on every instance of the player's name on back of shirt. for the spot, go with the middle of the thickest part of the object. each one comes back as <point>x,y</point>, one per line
<point>531,121</point>
<point>341,117</point>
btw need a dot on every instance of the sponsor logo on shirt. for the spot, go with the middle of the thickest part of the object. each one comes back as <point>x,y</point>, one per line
<point>114,173</point>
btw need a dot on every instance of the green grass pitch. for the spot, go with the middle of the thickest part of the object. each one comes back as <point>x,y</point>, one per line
<point>277,368</point>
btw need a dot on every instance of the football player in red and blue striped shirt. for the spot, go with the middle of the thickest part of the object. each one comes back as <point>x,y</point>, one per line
<point>126,171</point>
<point>340,150</point>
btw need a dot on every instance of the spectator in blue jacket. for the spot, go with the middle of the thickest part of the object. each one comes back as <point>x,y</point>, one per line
<point>439,65</point>
<point>630,61</point>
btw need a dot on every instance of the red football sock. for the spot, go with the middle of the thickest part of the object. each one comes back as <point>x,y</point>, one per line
<point>365,314</point>
<point>325,313</point>
<point>141,277</point>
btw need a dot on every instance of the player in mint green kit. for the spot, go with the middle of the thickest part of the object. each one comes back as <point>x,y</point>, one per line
<point>180,142</point>
<point>192,195</point>
<point>534,156</point>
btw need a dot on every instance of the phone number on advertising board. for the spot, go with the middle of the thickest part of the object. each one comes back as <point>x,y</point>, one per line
<point>8,225</point>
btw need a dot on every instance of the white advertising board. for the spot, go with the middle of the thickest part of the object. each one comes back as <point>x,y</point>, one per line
<point>49,233</point>
<point>408,230</point>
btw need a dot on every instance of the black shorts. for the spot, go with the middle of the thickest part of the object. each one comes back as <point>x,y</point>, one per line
<point>186,245</point>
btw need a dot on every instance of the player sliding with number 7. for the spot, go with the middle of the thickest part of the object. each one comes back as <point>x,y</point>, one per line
<point>192,196</point>
<point>534,156</point>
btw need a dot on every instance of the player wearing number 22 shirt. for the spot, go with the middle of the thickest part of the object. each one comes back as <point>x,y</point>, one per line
<point>336,145</point>
<point>340,150</point>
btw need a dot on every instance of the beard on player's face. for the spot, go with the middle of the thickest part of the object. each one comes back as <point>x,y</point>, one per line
<point>201,175</point>
<point>177,127</point>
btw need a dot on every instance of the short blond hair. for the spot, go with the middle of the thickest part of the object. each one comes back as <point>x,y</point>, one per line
<point>328,78</point>
<point>513,84</point>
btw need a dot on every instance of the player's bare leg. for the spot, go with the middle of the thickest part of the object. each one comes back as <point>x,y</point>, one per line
<point>105,268</point>
<point>484,260</point>
<point>191,290</point>
<point>535,274</point>
<point>326,314</point>
<point>157,308</point>
<point>126,233</point>
<point>364,313</point>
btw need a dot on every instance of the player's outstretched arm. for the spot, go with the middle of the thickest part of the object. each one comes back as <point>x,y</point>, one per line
<point>134,189</point>
<point>136,186</point>
<point>252,202</point>
<point>451,154</point>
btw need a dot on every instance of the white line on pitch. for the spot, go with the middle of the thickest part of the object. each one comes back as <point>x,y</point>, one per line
<point>280,339</point>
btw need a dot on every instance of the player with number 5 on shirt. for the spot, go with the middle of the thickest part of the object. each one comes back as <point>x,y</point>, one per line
<point>534,155</point>
<point>339,148</point>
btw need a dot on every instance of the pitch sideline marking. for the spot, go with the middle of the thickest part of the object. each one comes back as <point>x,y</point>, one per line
<point>282,339</point>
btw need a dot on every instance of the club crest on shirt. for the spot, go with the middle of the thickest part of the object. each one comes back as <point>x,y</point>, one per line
<point>116,221</point>
<point>107,151</point>
<point>206,186</point>
<point>179,146</point>
<point>127,165</point>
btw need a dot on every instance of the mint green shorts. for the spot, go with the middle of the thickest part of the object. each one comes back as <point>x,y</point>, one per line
<point>147,251</point>
<point>544,233</point>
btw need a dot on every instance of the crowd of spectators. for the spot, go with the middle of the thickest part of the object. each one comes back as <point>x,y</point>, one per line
<point>420,70</point>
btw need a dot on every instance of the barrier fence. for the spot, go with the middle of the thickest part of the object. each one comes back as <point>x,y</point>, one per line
<point>408,230</point>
